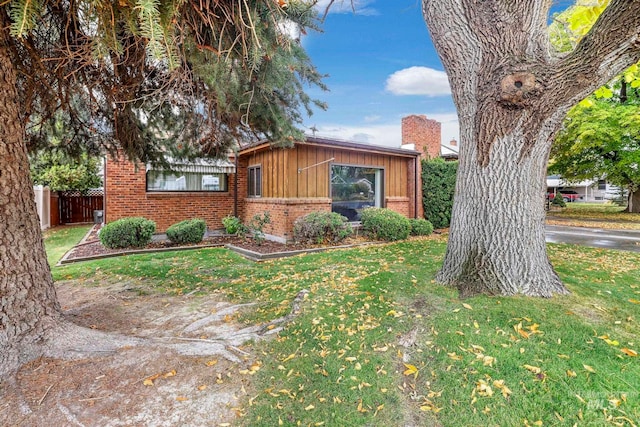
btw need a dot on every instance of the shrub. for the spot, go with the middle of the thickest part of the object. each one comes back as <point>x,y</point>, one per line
<point>385,224</point>
<point>321,227</point>
<point>420,227</point>
<point>558,200</point>
<point>233,225</point>
<point>187,231</point>
<point>133,232</point>
<point>256,227</point>
<point>438,186</point>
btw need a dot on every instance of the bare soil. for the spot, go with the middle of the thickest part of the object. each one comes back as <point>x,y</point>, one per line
<point>188,372</point>
<point>92,247</point>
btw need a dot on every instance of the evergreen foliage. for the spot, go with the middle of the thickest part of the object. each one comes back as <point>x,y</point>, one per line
<point>322,227</point>
<point>438,187</point>
<point>558,201</point>
<point>385,224</point>
<point>420,227</point>
<point>153,77</point>
<point>187,231</point>
<point>135,232</point>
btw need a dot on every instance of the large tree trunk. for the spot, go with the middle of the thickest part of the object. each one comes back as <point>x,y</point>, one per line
<point>512,96</point>
<point>28,305</point>
<point>497,235</point>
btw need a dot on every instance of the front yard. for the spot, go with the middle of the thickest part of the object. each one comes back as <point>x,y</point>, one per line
<point>379,343</point>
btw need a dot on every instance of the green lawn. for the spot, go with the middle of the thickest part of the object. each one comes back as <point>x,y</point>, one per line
<point>478,362</point>
<point>59,240</point>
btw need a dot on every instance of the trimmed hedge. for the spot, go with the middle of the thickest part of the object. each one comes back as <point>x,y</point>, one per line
<point>320,227</point>
<point>135,232</point>
<point>438,186</point>
<point>420,227</point>
<point>384,224</point>
<point>187,231</point>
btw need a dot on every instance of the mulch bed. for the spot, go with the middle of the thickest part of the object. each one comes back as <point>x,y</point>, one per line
<point>91,247</point>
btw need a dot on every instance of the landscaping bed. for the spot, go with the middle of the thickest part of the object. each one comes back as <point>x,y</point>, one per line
<point>91,248</point>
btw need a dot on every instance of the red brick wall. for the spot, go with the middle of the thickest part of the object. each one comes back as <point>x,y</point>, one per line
<point>126,196</point>
<point>424,133</point>
<point>402,205</point>
<point>283,212</point>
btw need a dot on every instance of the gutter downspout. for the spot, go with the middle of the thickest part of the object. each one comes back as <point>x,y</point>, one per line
<point>235,184</point>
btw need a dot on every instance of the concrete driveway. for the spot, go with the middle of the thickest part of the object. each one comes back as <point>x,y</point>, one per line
<point>625,240</point>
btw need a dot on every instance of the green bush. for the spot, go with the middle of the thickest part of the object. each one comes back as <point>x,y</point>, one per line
<point>558,200</point>
<point>384,224</point>
<point>133,232</point>
<point>420,227</point>
<point>438,186</point>
<point>233,225</point>
<point>187,231</point>
<point>321,227</point>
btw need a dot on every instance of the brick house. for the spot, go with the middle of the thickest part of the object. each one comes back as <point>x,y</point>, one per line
<point>314,175</point>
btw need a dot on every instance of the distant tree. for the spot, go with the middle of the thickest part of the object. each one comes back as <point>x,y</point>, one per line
<point>60,172</point>
<point>142,77</point>
<point>601,139</point>
<point>512,90</point>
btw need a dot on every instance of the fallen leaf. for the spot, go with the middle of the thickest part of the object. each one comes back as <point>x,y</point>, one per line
<point>411,370</point>
<point>629,352</point>
<point>533,369</point>
<point>589,369</point>
<point>467,306</point>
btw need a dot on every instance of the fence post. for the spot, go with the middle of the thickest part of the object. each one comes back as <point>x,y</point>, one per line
<point>43,201</point>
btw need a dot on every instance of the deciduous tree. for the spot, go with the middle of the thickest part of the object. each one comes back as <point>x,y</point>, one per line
<point>512,90</point>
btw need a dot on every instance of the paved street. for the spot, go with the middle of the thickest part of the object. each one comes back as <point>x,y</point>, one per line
<point>625,240</point>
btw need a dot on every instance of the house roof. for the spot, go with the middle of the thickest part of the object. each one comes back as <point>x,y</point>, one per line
<point>336,143</point>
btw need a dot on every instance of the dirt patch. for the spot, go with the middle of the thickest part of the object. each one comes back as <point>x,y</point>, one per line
<point>91,246</point>
<point>152,385</point>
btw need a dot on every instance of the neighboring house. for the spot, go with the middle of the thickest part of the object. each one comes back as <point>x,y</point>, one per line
<point>588,191</point>
<point>314,175</point>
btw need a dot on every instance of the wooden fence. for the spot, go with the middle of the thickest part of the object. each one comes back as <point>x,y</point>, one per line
<point>77,207</point>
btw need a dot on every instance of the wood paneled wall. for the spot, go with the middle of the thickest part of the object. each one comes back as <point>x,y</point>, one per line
<point>280,177</point>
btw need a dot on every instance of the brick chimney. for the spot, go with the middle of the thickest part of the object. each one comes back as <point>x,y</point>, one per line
<point>453,142</point>
<point>423,133</point>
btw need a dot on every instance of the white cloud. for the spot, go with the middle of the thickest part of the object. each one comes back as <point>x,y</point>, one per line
<point>388,134</point>
<point>361,7</point>
<point>419,81</point>
<point>372,118</point>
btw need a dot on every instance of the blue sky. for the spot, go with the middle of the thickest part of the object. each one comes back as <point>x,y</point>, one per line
<point>381,66</point>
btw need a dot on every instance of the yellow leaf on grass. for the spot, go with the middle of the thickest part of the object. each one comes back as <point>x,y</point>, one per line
<point>629,352</point>
<point>589,369</point>
<point>571,373</point>
<point>533,369</point>
<point>467,306</point>
<point>634,301</point>
<point>308,408</point>
<point>411,370</point>
<point>289,357</point>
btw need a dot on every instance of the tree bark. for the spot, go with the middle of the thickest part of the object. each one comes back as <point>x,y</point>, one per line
<point>28,304</point>
<point>512,95</point>
<point>633,201</point>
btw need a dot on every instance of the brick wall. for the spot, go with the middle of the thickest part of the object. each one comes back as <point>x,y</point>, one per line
<point>283,212</point>
<point>402,205</point>
<point>126,196</point>
<point>424,133</point>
